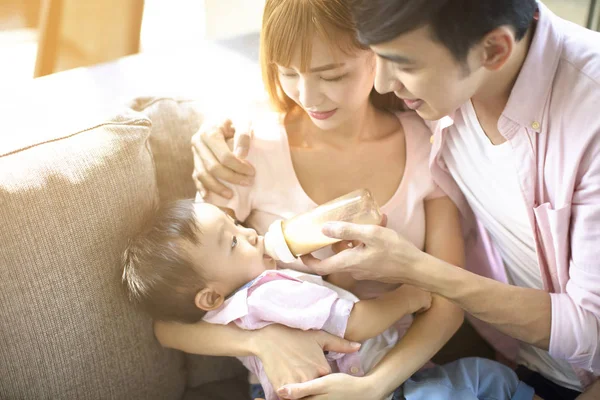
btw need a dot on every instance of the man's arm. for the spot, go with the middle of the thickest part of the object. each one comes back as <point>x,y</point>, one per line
<point>522,313</point>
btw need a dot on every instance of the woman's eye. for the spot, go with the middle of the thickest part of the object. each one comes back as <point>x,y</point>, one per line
<point>336,79</point>
<point>287,75</point>
<point>234,242</point>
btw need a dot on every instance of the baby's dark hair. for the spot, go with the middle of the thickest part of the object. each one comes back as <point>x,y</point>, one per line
<point>158,271</point>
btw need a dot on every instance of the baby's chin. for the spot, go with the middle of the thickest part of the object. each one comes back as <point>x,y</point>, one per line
<point>269,263</point>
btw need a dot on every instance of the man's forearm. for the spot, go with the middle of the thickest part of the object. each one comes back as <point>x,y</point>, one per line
<point>522,313</point>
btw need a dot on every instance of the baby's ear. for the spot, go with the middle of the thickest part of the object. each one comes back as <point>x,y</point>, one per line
<point>207,299</point>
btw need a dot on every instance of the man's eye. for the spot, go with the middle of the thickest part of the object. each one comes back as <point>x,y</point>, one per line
<point>234,242</point>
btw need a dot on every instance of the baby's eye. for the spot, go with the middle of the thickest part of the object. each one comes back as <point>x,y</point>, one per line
<point>236,222</point>
<point>234,242</point>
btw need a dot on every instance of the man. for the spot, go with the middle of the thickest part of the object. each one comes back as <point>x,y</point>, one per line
<point>513,96</point>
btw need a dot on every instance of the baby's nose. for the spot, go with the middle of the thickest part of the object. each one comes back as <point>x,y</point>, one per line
<point>252,237</point>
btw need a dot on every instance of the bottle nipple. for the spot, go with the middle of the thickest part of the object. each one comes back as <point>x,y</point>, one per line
<point>276,246</point>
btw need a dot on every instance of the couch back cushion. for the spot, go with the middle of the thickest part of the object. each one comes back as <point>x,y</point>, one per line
<point>68,203</point>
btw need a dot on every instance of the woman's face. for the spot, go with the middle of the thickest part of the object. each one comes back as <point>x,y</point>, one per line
<point>335,87</point>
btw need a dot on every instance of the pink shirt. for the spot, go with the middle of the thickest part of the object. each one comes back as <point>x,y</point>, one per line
<point>296,300</point>
<point>552,122</point>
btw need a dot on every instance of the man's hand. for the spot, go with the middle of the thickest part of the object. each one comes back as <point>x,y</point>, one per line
<point>214,159</point>
<point>382,254</point>
<point>294,356</point>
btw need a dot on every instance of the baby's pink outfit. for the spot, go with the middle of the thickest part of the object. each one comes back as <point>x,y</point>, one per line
<point>300,301</point>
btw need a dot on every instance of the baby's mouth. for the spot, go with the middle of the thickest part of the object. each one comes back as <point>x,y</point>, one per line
<point>269,261</point>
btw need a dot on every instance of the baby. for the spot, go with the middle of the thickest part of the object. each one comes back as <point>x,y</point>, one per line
<point>194,262</point>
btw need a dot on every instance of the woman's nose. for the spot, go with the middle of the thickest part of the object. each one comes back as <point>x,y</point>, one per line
<point>309,94</point>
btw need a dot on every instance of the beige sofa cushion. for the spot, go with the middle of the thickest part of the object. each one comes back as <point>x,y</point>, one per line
<point>67,204</point>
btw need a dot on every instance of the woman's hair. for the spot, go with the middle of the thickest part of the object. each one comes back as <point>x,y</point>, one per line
<point>457,24</point>
<point>158,272</point>
<point>289,25</point>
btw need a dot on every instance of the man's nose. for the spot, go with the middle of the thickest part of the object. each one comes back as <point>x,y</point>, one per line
<point>385,81</point>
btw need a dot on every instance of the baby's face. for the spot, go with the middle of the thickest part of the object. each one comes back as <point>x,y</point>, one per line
<point>230,255</point>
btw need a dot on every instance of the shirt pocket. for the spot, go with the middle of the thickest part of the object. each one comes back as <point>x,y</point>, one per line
<point>553,227</point>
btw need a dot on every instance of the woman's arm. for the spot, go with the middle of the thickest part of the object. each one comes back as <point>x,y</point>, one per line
<point>425,337</point>
<point>432,329</point>
<point>207,339</point>
<point>288,355</point>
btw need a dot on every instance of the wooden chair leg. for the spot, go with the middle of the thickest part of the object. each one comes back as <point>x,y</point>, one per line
<point>49,31</point>
<point>136,26</point>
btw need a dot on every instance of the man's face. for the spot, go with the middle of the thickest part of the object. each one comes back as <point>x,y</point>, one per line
<point>425,74</point>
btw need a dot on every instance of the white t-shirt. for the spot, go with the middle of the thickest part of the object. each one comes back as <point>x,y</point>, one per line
<point>487,176</point>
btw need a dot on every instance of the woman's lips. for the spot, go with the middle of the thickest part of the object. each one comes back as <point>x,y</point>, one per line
<point>322,115</point>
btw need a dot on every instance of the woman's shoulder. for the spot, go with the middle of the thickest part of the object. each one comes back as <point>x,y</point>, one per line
<point>413,123</point>
<point>415,128</point>
<point>268,128</point>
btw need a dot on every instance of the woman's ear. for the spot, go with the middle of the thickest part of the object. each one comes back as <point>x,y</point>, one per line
<point>207,299</point>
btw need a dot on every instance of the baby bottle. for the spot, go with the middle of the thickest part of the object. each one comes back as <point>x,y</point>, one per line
<point>300,235</point>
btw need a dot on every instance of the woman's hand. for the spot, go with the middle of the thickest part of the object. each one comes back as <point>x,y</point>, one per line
<point>295,356</point>
<point>333,387</point>
<point>383,255</point>
<point>214,159</point>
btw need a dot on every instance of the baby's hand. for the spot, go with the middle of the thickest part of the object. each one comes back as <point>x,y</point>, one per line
<point>418,300</point>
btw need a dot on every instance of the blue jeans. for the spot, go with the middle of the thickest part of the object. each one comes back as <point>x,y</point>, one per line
<point>464,379</point>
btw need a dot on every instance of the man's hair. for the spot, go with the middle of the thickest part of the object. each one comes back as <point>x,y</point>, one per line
<point>158,271</point>
<point>457,24</point>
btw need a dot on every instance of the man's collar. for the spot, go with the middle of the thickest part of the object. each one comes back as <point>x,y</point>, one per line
<point>533,85</point>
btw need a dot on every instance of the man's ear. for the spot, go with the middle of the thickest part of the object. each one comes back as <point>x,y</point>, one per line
<point>498,45</point>
<point>207,299</point>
